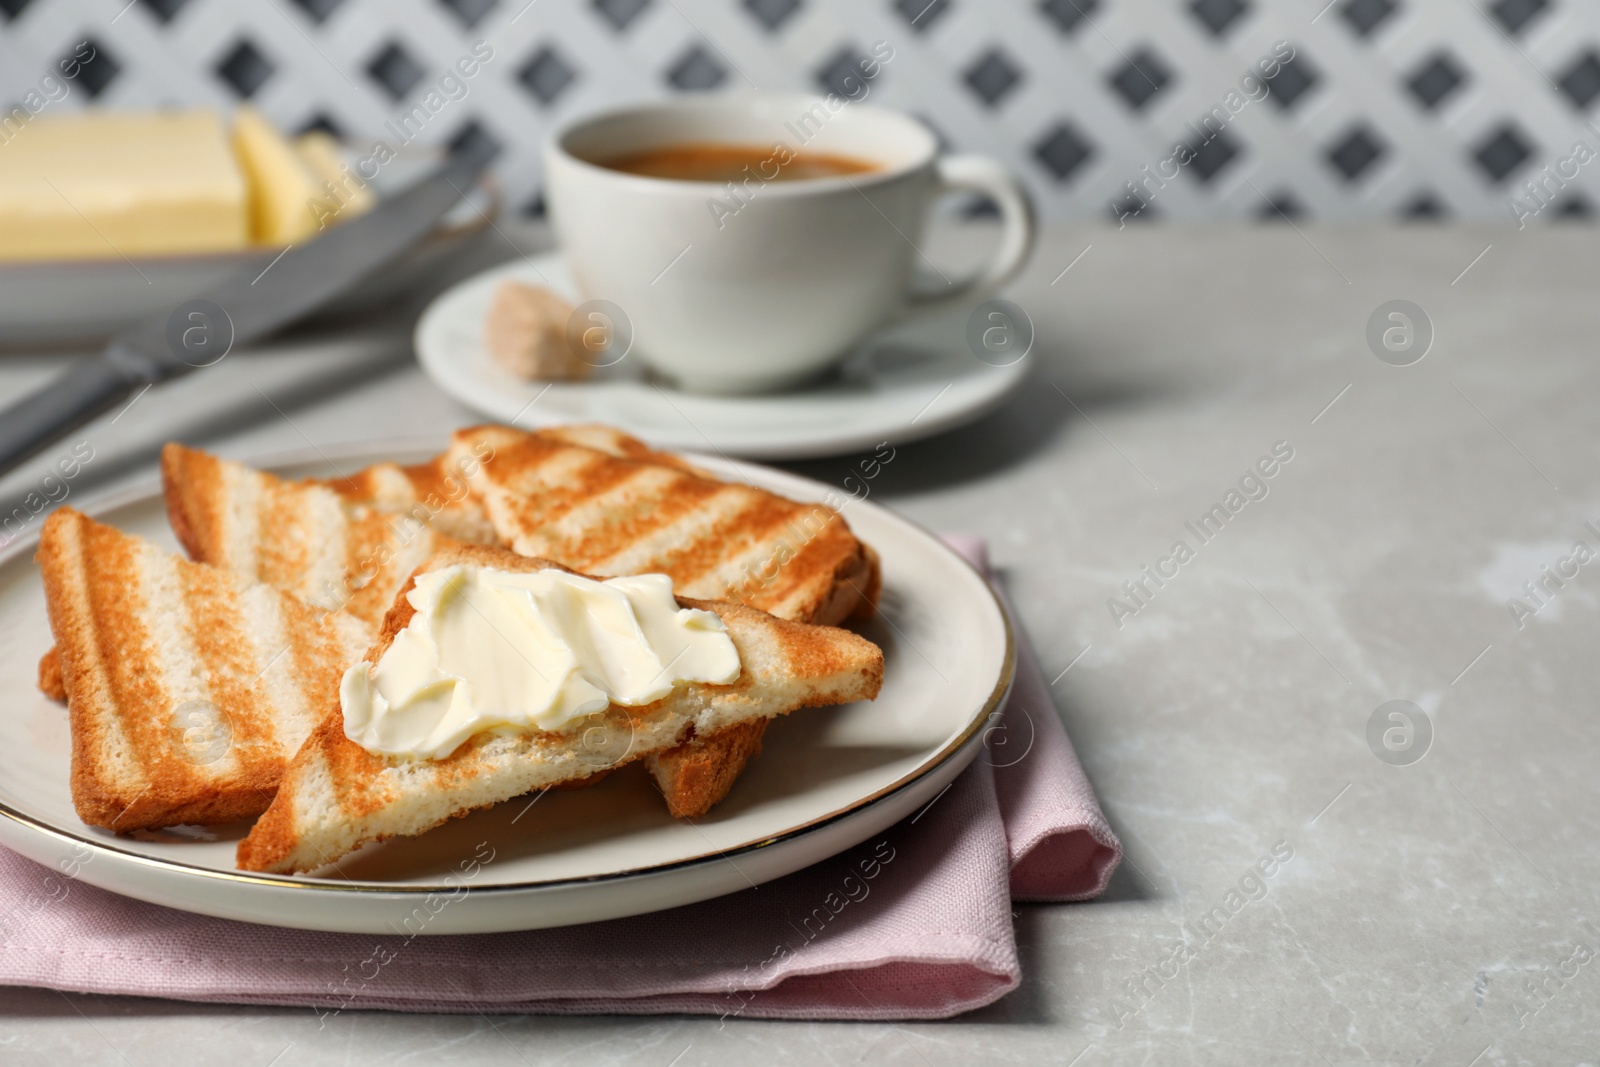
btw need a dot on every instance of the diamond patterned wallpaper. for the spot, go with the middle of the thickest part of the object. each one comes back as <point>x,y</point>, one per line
<point>1135,109</point>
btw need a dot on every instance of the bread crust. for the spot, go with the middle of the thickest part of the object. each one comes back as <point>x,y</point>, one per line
<point>183,485</point>
<point>51,684</point>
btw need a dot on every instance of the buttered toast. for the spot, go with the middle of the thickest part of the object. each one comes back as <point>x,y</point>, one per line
<point>189,687</point>
<point>336,795</point>
<point>614,511</point>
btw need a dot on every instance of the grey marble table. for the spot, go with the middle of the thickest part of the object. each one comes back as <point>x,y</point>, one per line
<point>1432,910</point>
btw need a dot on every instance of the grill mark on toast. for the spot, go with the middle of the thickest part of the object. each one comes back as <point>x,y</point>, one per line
<point>231,667</point>
<point>751,571</point>
<point>278,546</point>
<point>695,506</point>
<point>431,479</point>
<point>369,563</point>
<point>363,485</point>
<point>210,506</point>
<point>444,496</point>
<point>793,571</point>
<point>444,489</point>
<point>724,514</point>
<point>124,644</point>
<point>612,441</point>
<point>549,480</point>
<point>304,539</point>
<point>381,483</point>
<point>466,448</point>
<point>744,534</point>
<point>646,498</point>
<point>354,773</point>
<point>806,656</point>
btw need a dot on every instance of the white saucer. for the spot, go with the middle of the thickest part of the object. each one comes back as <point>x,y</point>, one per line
<point>907,383</point>
<point>827,778</point>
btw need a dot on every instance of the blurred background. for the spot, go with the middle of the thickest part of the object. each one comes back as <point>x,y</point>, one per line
<point>1388,109</point>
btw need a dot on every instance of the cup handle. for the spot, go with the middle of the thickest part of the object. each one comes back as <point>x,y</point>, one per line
<point>1017,229</point>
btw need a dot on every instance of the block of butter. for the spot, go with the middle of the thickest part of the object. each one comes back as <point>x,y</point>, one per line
<point>283,186</point>
<point>98,185</point>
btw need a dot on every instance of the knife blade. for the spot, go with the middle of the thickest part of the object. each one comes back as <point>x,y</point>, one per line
<point>253,304</point>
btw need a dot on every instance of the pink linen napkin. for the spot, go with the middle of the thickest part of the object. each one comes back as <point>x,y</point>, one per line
<point>913,924</point>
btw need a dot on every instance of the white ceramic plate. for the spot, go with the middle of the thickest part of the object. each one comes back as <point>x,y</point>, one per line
<point>75,302</point>
<point>908,382</point>
<point>827,779</point>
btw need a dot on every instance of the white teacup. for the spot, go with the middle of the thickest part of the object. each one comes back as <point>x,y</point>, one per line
<point>731,290</point>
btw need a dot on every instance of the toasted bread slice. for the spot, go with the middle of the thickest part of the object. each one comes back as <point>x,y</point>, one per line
<point>611,514</point>
<point>337,796</point>
<point>189,687</point>
<point>595,499</point>
<point>304,538</point>
<point>695,776</point>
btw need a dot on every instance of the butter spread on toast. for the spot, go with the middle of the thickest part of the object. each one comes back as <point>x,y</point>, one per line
<point>491,649</point>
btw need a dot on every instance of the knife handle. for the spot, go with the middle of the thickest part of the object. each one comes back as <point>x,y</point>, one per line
<point>74,397</point>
